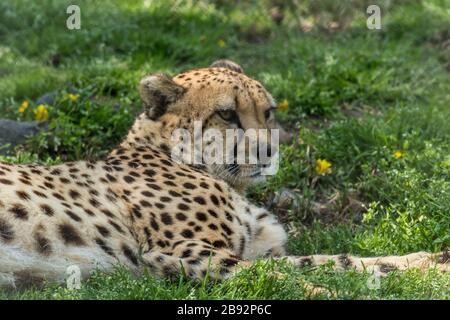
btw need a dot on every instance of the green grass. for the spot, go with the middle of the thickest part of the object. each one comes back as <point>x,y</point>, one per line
<point>262,281</point>
<point>355,98</point>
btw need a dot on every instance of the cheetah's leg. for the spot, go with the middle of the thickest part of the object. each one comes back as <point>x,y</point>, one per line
<point>20,267</point>
<point>195,259</point>
<point>383,265</point>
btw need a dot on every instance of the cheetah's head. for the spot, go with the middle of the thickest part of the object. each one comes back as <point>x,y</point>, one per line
<point>220,97</point>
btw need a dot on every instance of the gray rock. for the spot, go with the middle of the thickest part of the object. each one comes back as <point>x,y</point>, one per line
<point>47,98</point>
<point>283,201</point>
<point>14,133</point>
<point>284,198</point>
<point>50,97</point>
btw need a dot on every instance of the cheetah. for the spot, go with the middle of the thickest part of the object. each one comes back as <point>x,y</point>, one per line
<point>140,208</point>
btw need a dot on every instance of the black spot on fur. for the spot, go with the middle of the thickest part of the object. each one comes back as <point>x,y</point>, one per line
<point>129,254</point>
<point>170,183</point>
<point>70,235</point>
<point>47,210</point>
<point>189,185</point>
<point>201,216</point>
<point>385,268</point>
<point>229,262</point>
<point>74,194</point>
<point>165,148</point>
<point>168,234</point>
<point>42,244</point>
<point>187,233</point>
<point>205,253</point>
<point>186,253</point>
<point>228,216</point>
<point>174,193</point>
<point>145,204</point>
<point>225,228</point>
<point>444,257</point>
<point>194,261</point>
<point>165,199</point>
<point>183,206</point>
<point>147,194</point>
<point>154,224</point>
<point>169,176</point>
<point>40,194</point>
<point>218,187</point>
<point>25,181</point>
<point>116,226</point>
<point>6,181</point>
<point>161,243</point>
<point>19,212</point>
<point>181,216</point>
<point>153,186</point>
<point>305,262</point>
<point>150,172</point>
<point>200,200</point>
<point>104,246</point>
<point>212,213</point>
<point>58,196</point>
<point>103,230</point>
<point>187,200</point>
<point>128,179</point>
<point>64,180</point>
<point>177,243</point>
<point>242,243</point>
<point>89,212</point>
<point>219,244</point>
<point>73,216</point>
<point>136,211</point>
<point>344,261</point>
<point>23,195</point>
<point>111,178</point>
<point>214,200</point>
<point>6,231</point>
<point>212,226</point>
<point>262,216</point>
<point>94,203</point>
<point>166,219</point>
<point>160,205</point>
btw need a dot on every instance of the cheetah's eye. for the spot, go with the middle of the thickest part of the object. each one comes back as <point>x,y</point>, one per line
<point>227,115</point>
<point>267,114</point>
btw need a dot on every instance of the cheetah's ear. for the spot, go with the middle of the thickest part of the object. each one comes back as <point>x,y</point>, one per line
<point>157,92</point>
<point>224,63</point>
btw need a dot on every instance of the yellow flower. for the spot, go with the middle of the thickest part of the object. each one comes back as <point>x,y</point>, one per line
<point>323,166</point>
<point>283,105</point>
<point>221,43</point>
<point>24,106</point>
<point>73,97</point>
<point>41,113</point>
<point>398,154</point>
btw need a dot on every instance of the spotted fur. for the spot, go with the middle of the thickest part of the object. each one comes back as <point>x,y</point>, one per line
<point>140,208</point>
